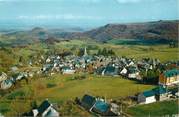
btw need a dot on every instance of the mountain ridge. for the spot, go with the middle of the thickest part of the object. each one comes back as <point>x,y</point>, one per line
<point>159,30</point>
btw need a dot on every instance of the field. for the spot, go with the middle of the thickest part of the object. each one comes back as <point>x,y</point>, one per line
<point>61,89</point>
<point>165,108</point>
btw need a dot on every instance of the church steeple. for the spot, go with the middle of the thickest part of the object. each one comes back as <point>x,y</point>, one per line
<point>85,52</point>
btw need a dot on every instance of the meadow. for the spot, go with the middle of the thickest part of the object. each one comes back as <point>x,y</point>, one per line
<point>165,108</point>
<point>61,89</point>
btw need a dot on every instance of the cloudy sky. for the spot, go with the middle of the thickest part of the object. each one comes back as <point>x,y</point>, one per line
<point>84,13</point>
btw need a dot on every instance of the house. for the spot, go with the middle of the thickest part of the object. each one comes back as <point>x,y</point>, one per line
<point>47,67</point>
<point>6,84</point>
<point>67,70</point>
<point>146,97</point>
<point>169,77</point>
<point>3,76</point>
<point>133,72</point>
<point>21,76</point>
<point>46,109</point>
<point>99,106</point>
<point>48,60</point>
<point>161,93</point>
<point>157,94</point>
<point>110,70</point>
<point>88,102</point>
<point>123,71</point>
<point>114,109</point>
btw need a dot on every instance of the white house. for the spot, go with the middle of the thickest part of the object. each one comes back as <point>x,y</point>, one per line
<point>146,97</point>
<point>46,109</point>
<point>48,60</point>
<point>3,76</point>
<point>6,84</point>
<point>133,72</point>
<point>67,70</point>
<point>157,94</point>
<point>123,71</point>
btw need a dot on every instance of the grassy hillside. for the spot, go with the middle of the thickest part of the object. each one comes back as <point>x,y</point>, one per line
<point>165,108</point>
<point>162,52</point>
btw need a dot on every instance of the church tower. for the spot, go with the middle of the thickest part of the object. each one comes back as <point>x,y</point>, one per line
<point>85,52</point>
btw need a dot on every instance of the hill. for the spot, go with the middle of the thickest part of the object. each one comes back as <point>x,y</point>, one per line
<point>162,31</point>
<point>165,30</point>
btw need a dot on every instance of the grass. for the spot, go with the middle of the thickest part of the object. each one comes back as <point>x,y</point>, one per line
<point>160,51</point>
<point>66,89</point>
<point>95,85</point>
<point>156,109</point>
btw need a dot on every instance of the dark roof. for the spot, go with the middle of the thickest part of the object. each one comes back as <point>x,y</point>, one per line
<point>88,101</point>
<point>132,69</point>
<point>159,90</point>
<point>149,93</point>
<point>28,114</point>
<point>45,104</point>
<point>156,91</point>
<point>110,69</point>
<point>171,73</point>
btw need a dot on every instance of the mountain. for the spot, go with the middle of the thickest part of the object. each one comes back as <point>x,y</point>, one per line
<point>159,30</point>
<point>166,30</point>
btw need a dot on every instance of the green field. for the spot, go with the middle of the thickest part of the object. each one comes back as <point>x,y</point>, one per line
<point>63,89</point>
<point>165,108</point>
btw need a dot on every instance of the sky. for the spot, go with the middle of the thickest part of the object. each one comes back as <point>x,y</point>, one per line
<point>84,13</point>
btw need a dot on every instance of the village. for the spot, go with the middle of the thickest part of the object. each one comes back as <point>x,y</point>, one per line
<point>148,71</point>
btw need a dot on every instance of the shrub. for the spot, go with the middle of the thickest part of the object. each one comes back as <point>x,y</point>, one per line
<point>50,85</point>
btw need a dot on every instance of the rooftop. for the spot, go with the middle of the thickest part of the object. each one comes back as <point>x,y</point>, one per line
<point>171,73</point>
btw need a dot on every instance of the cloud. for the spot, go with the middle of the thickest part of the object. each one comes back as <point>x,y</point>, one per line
<point>57,17</point>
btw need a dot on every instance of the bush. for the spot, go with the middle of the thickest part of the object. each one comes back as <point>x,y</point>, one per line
<point>34,104</point>
<point>50,85</point>
<point>79,77</point>
<point>17,94</point>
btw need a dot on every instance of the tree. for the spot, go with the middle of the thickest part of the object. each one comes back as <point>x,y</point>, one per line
<point>106,52</point>
<point>80,52</point>
<point>34,104</point>
<point>151,76</point>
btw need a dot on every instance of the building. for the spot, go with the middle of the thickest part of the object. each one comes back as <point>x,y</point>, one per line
<point>3,76</point>
<point>88,101</point>
<point>99,106</point>
<point>169,77</point>
<point>133,73</point>
<point>6,84</point>
<point>67,70</point>
<point>110,70</point>
<point>46,109</point>
<point>146,97</point>
<point>157,94</point>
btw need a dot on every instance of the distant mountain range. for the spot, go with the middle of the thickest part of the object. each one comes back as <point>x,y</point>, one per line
<point>165,30</point>
<point>159,30</point>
